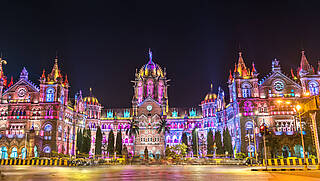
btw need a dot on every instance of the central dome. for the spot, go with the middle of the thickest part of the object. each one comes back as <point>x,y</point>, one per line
<point>91,100</point>
<point>151,69</point>
<point>210,97</point>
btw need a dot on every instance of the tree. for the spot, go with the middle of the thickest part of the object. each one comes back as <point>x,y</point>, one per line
<point>210,143</point>
<point>176,151</point>
<point>79,140</point>
<point>164,128</point>
<point>110,147</point>
<point>227,142</point>
<point>185,140</point>
<point>133,129</point>
<point>217,140</point>
<point>119,143</point>
<point>84,144</point>
<point>195,142</point>
<point>98,144</point>
<point>88,140</point>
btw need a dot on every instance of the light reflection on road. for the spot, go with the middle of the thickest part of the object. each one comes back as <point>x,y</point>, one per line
<point>141,173</point>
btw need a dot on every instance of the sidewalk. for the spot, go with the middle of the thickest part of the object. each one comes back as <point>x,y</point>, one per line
<point>283,168</point>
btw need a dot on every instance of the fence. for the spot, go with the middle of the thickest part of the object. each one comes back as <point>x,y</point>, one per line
<point>47,162</point>
<point>290,161</point>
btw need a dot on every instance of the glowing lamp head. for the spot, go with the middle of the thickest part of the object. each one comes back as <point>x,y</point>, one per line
<point>298,107</point>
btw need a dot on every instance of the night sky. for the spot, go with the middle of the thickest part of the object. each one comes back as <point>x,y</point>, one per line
<point>101,43</point>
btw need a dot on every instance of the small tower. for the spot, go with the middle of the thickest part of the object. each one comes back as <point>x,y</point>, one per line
<point>3,79</point>
<point>243,83</point>
<point>52,87</point>
<point>309,79</point>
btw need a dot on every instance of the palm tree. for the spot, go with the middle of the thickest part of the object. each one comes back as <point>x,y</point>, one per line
<point>164,128</point>
<point>133,129</point>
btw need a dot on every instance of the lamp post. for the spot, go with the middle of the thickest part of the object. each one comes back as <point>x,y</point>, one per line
<point>298,108</point>
<point>25,144</point>
<point>254,140</point>
<point>316,138</point>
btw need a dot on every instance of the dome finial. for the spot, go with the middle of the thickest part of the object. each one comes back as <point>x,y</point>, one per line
<point>150,55</point>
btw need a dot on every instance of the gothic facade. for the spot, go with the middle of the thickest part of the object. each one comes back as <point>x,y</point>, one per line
<point>271,101</point>
<point>36,120</point>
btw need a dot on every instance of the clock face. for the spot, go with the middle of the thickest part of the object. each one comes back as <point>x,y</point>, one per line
<point>149,107</point>
<point>278,85</point>
<point>22,92</point>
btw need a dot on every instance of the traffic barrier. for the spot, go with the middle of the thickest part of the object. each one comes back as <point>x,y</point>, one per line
<point>45,162</point>
<point>292,161</point>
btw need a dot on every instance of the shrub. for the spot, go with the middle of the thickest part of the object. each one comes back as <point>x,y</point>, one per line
<point>240,155</point>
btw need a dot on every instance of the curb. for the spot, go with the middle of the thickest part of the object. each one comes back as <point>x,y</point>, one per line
<point>280,169</point>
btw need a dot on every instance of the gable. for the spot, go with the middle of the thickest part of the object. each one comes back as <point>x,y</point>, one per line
<point>22,83</point>
<point>149,107</point>
<point>23,90</point>
<point>279,76</point>
<point>279,84</point>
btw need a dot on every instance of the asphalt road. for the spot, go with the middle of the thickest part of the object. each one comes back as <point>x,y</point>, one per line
<point>26,173</point>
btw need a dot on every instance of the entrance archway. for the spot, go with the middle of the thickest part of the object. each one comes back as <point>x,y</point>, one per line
<point>286,152</point>
<point>3,153</point>
<point>23,153</point>
<point>298,150</point>
<point>14,153</point>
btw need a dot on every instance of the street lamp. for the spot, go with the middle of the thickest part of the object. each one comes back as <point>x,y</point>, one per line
<point>254,137</point>
<point>298,108</point>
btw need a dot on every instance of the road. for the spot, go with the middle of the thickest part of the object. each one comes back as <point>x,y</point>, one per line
<point>30,173</point>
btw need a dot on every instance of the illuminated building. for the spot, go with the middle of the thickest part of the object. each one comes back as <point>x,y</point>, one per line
<point>36,120</point>
<point>44,119</point>
<point>271,101</point>
<point>150,105</point>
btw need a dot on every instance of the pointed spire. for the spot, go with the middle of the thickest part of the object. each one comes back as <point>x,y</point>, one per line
<point>11,82</point>
<point>55,73</point>
<point>2,61</point>
<point>150,55</point>
<point>235,67</point>
<point>253,68</point>
<point>211,88</point>
<point>43,76</point>
<point>66,82</point>
<point>230,76</point>
<point>305,67</point>
<point>292,74</point>
<point>24,74</point>
<point>242,69</point>
<point>90,89</point>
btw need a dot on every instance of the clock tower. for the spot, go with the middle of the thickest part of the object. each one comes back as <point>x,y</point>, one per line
<point>150,105</point>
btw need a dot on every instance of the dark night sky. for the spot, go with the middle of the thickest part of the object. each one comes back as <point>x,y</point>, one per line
<point>101,43</point>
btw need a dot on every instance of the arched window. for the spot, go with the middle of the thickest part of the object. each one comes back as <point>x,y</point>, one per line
<point>48,127</point>
<point>23,153</point>
<point>3,153</point>
<point>50,94</point>
<point>47,149</point>
<point>246,90</point>
<point>14,153</point>
<point>314,88</point>
<point>35,150</point>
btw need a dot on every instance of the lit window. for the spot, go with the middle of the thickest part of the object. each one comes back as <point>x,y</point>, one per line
<point>48,127</point>
<point>246,90</point>
<point>50,94</point>
<point>314,88</point>
<point>47,149</point>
